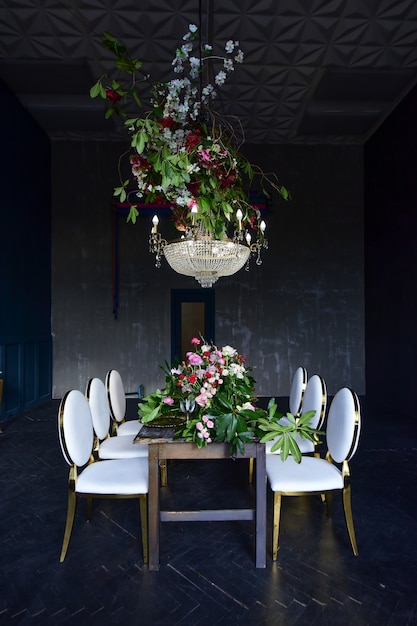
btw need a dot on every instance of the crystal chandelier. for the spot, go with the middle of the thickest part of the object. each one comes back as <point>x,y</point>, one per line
<point>200,255</point>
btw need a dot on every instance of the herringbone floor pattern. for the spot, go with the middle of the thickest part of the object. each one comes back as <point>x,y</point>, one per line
<point>207,573</point>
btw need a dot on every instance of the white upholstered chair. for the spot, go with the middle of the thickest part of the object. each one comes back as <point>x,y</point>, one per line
<point>117,403</point>
<point>314,399</point>
<point>295,401</point>
<point>321,476</point>
<point>105,446</point>
<point>120,478</point>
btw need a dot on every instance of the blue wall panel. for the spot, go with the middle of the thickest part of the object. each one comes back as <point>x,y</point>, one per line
<point>11,402</point>
<point>25,259</point>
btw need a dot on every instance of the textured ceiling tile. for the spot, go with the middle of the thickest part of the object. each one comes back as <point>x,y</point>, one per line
<point>288,47</point>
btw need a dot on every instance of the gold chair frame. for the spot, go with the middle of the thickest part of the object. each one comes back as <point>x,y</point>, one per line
<point>326,496</point>
<point>73,496</point>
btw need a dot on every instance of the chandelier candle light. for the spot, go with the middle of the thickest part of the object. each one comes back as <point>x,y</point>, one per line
<point>186,155</point>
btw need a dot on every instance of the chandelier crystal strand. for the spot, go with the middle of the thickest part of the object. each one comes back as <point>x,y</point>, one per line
<point>200,255</point>
<point>205,258</point>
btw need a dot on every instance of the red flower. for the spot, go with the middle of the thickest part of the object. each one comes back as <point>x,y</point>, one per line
<point>113,96</point>
<point>193,139</point>
<point>228,179</point>
<point>138,163</point>
<point>192,378</point>
<point>194,188</point>
<point>167,122</point>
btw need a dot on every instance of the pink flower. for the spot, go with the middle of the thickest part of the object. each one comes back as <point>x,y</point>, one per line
<point>204,155</point>
<point>169,400</point>
<point>195,341</point>
<point>194,359</point>
<point>201,400</point>
<point>199,426</point>
<point>210,424</point>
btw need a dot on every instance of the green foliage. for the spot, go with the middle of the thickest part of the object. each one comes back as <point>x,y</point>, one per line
<point>153,407</point>
<point>285,433</point>
<point>133,214</point>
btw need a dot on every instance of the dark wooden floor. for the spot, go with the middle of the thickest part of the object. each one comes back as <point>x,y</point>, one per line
<point>207,573</point>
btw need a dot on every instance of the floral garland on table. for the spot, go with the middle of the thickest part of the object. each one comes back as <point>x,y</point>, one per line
<point>182,152</point>
<point>212,390</point>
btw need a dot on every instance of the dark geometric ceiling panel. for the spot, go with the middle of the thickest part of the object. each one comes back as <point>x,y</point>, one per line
<point>314,71</point>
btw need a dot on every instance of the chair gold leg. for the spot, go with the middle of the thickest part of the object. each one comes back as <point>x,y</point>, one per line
<point>164,472</point>
<point>250,471</point>
<point>329,503</point>
<point>276,520</point>
<point>347,506</point>
<point>143,500</point>
<point>88,508</point>
<point>72,505</point>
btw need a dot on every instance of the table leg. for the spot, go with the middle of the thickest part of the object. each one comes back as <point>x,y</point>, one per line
<point>153,505</point>
<point>260,505</point>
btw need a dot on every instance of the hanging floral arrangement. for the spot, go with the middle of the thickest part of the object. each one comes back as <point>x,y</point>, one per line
<point>181,151</point>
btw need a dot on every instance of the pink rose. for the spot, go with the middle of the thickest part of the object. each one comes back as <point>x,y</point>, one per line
<point>195,341</point>
<point>169,400</point>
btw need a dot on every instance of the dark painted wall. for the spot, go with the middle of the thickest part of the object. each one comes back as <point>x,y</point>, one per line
<point>25,259</point>
<point>305,305</point>
<point>391,260</point>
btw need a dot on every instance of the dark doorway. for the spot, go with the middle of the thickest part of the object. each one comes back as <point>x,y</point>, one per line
<point>192,315</point>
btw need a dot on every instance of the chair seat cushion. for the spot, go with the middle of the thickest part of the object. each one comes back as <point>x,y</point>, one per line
<point>116,477</point>
<point>131,427</point>
<point>122,448</point>
<point>311,475</point>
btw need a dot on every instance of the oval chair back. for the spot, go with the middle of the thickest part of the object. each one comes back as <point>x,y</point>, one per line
<point>315,399</point>
<point>75,428</point>
<point>116,396</point>
<point>99,405</point>
<point>298,385</point>
<point>343,425</point>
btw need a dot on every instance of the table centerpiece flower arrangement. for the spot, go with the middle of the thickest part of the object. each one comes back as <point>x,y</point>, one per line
<point>210,395</point>
<point>181,151</point>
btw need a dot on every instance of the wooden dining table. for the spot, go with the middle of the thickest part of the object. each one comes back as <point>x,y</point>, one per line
<point>167,448</point>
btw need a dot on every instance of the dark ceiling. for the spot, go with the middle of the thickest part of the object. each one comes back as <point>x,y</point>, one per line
<point>314,71</point>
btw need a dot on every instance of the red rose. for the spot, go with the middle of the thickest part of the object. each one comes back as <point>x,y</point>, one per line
<point>113,96</point>
<point>167,122</point>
